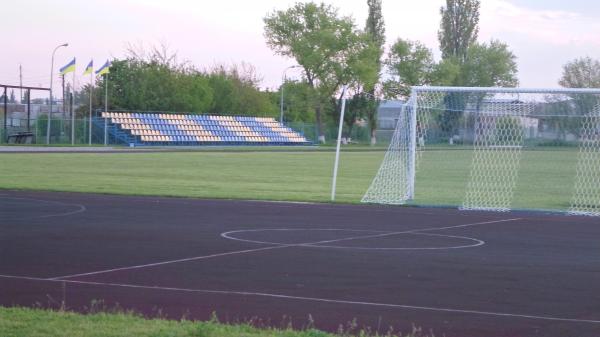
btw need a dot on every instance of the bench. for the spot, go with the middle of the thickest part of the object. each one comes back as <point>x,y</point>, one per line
<point>21,138</point>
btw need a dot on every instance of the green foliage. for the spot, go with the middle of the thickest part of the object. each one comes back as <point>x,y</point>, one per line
<point>328,47</point>
<point>581,73</point>
<point>158,83</point>
<point>485,65</point>
<point>235,91</point>
<point>375,30</point>
<point>409,63</point>
<point>298,102</point>
<point>41,123</point>
<point>489,65</point>
<point>446,72</point>
<point>564,116</point>
<point>375,26</point>
<point>357,107</point>
<point>149,86</point>
<point>458,28</point>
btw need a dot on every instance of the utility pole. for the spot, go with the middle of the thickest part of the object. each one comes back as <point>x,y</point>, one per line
<point>71,101</point>
<point>63,95</point>
<point>48,128</point>
<point>21,83</point>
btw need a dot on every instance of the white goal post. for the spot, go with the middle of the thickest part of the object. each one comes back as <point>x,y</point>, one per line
<point>496,126</point>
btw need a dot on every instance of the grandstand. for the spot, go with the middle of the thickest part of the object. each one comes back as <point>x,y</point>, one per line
<point>187,129</point>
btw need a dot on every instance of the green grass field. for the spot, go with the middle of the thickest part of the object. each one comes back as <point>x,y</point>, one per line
<point>21,322</point>
<point>545,180</point>
<point>26,322</point>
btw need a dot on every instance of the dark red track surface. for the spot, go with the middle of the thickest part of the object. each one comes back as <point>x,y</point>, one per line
<point>512,274</point>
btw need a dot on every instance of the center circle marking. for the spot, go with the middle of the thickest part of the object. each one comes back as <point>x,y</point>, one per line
<point>237,235</point>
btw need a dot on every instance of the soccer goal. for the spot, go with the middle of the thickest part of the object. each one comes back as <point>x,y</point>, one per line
<point>494,149</point>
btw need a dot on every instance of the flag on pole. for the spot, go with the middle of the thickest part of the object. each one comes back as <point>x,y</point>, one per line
<point>104,69</point>
<point>89,69</point>
<point>70,67</point>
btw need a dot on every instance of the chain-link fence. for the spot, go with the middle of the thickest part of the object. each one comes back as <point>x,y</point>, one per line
<point>358,134</point>
<point>61,134</point>
<point>62,131</point>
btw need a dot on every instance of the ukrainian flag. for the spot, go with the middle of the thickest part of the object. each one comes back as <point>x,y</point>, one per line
<point>89,69</point>
<point>69,68</point>
<point>104,69</point>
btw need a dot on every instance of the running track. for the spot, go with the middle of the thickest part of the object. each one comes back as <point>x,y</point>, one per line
<point>454,273</point>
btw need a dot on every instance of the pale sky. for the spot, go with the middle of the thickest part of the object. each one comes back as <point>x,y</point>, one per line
<point>543,34</point>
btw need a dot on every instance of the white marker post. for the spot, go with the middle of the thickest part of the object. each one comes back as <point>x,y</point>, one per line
<point>339,142</point>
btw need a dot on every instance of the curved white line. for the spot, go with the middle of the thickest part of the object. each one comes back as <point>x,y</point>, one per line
<point>228,235</point>
<point>418,230</point>
<point>269,248</point>
<point>81,209</point>
<point>316,299</point>
<point>476,243</point>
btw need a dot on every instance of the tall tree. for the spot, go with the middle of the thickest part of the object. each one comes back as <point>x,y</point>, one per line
<point>235,90</point>
<point>581,73</point>
<point>489,65</point>
<point>375,30</point>
<point>485,65</point>
<point>326,45</point>
<point>459,28</point>
<point>409,63</point>
<point>297,101</point>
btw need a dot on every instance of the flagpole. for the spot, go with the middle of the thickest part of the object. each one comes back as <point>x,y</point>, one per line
<point>106,109</point>
<point>91,93</point>
<point>73,113</point>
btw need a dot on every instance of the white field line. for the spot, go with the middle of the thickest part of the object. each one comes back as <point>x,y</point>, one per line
<point>80,210</point>
<point>203,257</point>
<point>228,235</point>
<point>317,299</point>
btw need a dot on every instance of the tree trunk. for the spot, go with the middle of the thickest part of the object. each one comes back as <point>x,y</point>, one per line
<point>373,117</point>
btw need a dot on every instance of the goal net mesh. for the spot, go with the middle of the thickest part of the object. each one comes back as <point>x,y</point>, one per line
<point>586,198</point>
<point>494,149</point>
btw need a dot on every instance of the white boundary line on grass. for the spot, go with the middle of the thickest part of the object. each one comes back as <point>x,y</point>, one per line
<point>203,257</point>
<point>315,299</point>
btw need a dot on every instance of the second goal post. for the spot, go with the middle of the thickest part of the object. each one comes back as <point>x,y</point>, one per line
<point>495,129</point>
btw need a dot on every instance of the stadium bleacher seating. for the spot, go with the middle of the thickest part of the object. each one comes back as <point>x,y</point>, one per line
<point>184,129</point>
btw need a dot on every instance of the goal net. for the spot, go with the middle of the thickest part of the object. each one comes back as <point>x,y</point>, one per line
<point>494,149</point>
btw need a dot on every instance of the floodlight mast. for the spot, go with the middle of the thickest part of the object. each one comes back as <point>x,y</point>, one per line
<point>283,79</point>
<point>51,79</point>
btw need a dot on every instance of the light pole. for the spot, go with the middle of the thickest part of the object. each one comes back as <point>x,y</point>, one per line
<point>51,79</point>
<point>283,78</point>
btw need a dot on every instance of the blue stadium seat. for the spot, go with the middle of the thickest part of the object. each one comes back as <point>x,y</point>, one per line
<point>167,128</point>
